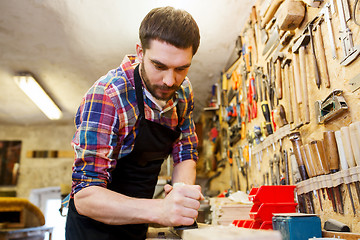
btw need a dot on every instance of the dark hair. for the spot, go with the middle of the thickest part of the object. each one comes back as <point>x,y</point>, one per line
<point>174,26</point>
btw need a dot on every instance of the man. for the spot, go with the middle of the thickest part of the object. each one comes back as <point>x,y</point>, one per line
<point>128,122</point>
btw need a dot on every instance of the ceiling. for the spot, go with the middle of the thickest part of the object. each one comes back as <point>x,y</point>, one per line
<point>69,44</point>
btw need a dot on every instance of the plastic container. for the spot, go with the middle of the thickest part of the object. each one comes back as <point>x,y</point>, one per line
<point>265,211</point>
<point>272,194</point>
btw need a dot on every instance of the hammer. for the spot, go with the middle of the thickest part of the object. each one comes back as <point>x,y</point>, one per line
<point>320,46</point>
<point>285,65</point>
<point>277,57</point>
<point>299,47</point>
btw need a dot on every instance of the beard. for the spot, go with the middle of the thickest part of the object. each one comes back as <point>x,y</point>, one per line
<point>157,91</point>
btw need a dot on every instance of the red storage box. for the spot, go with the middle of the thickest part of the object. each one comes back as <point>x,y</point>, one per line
<point>265,211</point>
<point>272,194</point>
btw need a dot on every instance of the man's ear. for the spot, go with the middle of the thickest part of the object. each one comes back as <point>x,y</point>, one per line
<point>139,52</point>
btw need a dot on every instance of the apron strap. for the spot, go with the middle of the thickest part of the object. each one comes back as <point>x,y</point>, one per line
<point>138,91</point>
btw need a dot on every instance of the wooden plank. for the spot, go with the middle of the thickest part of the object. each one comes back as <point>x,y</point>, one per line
<point>229,233</point>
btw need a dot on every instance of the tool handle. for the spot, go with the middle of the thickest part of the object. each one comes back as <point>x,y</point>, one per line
<point>319,156</point>
<point>304,84</point>
<point>316,66</point>
<point>266,112</point>
<point>296,143</point>
<point>278,80</point>
<point>322,58</point>
<point>317,72</point>
<point>247,61</point>
<point>354,135</point>
<point>287,92</point>
<point>270,12</point>
<point>331,150</point>
<point>224,82</point>
<point>282,115</point>
<point>343,163</point>
<point>294,104</point>
<point>297,80</point>
<point>345,136</point>
<point>309,157</point>
<point>357,124</point>
<point>308,167</point>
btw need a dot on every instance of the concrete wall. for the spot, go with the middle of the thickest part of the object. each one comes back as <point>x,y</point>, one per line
<point>40,172</point>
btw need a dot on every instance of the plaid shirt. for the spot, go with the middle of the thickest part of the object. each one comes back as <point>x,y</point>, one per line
<point>106,124</point>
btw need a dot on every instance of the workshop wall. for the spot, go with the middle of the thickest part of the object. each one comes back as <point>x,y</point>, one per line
<point>50,164</point>
<point>248,156</point>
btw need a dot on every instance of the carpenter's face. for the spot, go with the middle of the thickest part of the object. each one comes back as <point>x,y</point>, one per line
<point>163,68</point>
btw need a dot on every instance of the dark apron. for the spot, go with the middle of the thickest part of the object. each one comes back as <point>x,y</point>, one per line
<point>135,175</point>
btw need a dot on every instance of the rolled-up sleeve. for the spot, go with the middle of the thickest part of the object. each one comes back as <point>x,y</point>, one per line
<point>95,139</point>
<point>186,147</point>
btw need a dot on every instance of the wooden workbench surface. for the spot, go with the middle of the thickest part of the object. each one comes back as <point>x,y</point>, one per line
<point>214,232</point>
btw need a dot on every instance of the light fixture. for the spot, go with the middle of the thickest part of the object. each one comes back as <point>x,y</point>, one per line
<point>36,93</point>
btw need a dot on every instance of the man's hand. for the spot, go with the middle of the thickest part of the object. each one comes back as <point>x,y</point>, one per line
<point>180,205</point>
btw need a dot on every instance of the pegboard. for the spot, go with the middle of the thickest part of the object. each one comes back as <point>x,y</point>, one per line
<point>255,159</point>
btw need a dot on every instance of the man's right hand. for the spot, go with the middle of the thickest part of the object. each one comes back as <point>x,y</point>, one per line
<point>180,205</point>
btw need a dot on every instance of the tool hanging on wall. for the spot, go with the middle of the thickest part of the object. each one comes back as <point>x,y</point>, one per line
<point>287,92</point>
<point>301,198</point>
<point>284,41</point>
<point>310,167</point>
<point>322,168</point>
<point>344,164</point>
<point>325,13</point>
<point>265,109</point>
<point>290,15</point>
<point>294,104</point>
<point>333,159</point>
<point>348,147</point>
<point>299,47</point>
<point>333,105</point>
<point>270,12</point>
<point>309,28</point>
<point>277,58</point>
<point>273,41</point>
<point>286,165</point>
<point>350,51</point>
<point>296,141</point>
<point>319,45</point>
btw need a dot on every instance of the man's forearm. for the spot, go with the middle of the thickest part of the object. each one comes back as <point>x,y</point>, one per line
<point>178,208</point>
<point>113,208</point>
<point>185,172</point>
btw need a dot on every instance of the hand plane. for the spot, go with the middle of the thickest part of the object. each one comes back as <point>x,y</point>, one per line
<point>332,106</point>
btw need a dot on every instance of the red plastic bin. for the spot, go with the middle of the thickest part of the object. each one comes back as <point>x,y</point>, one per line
<point>266,210</point>
<point>272,194</point>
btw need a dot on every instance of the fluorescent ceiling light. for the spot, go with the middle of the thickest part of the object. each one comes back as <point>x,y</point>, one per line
<point>36,93</point>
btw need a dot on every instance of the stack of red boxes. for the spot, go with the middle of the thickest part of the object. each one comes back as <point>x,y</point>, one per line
<point>268,200</point>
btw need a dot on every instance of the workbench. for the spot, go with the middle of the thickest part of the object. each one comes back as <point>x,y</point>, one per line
<point>213,232</point>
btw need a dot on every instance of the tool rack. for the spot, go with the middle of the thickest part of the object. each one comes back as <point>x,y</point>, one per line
<point>311,100</point>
